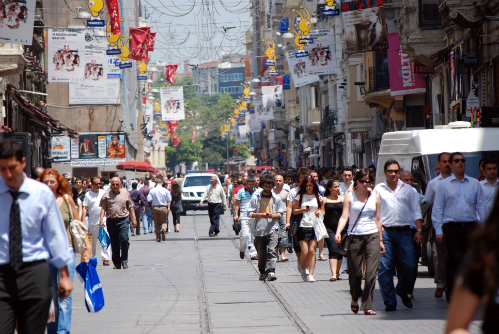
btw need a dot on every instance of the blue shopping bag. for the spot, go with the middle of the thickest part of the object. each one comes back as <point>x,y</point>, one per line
<point>94,297</point>
<point>104,239</point>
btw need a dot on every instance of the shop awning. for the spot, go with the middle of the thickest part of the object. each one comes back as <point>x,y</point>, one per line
<point>313,156</point>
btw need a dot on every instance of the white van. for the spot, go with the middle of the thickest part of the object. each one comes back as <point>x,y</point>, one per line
<point>418,150</point>
<point>193,188</point>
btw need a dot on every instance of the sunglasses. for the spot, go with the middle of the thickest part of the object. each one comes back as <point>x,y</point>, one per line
<point>393,171</point>
<point>115,184</point>
<point>460,160</point>
<point>364,181</point>
<point>50,181</point>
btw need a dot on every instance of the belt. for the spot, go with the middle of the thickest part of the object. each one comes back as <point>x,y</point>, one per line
<point>460,223</point>
<point>397,228</point>
<point>119,218</point>
<point>159,206</point>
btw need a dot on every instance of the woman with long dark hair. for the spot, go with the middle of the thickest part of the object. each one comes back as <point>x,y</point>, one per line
<point>176,204</point>
<point>308,202</point>
<point>333,208</point>
<point>361,212</point>
<point>479,280</point>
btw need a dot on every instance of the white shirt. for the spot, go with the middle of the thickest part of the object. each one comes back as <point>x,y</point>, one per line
<point>432,186</point>
<point>399,207</point>
<point>92,203</point>
<point>344,189</point>
<point>159,196</point>
<point>490,191</point>
<point>292,194</point>
<point>308,217</point>
<point>286,187</point>
<point>152,184</point>
<point>458,201</point>
<point>215,195</point>
<point>365,224</point>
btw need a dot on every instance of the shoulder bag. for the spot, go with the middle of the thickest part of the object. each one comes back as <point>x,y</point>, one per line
<point>77,230</point>
<point>347,240</point>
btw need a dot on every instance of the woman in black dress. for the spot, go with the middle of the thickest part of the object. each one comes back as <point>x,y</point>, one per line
<point>333,207</point>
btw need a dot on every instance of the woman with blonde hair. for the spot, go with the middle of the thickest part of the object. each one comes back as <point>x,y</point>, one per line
<point>62,191</point>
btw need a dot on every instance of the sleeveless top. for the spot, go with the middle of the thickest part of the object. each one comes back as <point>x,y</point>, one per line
<point>332,214</point>
<point>66,216</point>
<point>282,195</point>
<point>366,224</point>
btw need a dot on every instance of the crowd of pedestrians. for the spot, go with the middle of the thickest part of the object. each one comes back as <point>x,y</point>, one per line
<point>375,229</point>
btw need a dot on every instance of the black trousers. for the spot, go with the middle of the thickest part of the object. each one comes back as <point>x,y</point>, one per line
<point>457,239</point>
<point>118,233</point>
<point>176,218</point>
<point>25,295</point>
<point>214,212</point>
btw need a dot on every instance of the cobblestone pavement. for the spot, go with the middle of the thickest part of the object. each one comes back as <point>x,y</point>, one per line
<point>196,284</point>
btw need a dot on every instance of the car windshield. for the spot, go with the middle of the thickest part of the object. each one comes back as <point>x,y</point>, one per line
<point>472,160</point>
<point>197,181</point>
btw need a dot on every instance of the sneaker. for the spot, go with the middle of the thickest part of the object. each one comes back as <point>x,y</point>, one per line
<point>298,266</point>
<point>241,255</point>
<point>271,276</point>
<point>304,275</point>
<point>254,258</point>
<point>262,277</point>
<point>311,278</point>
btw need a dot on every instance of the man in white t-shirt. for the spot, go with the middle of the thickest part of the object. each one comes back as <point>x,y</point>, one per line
<point>347,183</point>
<point>91,203</point>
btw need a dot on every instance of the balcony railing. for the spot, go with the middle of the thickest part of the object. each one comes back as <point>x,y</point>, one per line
<point>378,80</point>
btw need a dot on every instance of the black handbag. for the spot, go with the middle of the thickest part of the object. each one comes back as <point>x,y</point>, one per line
<point>347,240</point>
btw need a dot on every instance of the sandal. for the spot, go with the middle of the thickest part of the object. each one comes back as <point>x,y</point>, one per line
<point>339,278</point>
<point>354,308</point>
<point>322,259</point>
<point>332,279</point>
<point>284,259</point>
<point>369,312</point>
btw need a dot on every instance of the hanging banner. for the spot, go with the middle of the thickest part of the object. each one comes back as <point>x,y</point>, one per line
<point>151,38</point>
<point>172,103</point>
<point>365,26</point>
<point>172,126</point>
<point>16,21</point>
<point>66,54</point>
<point>61,149</point>
<point>242,134</point>
<point>403,80</point>
<point>321,52</point>
<point>270,7</point>
<point>254,124</point>
<point>138,44</point>
<point>148,115</point>
<point>95,67</point>
<point>272,96</point>
<point>114,14</point>
<point>299,70</point>
<point>170,72</point>
<point>175,141</point>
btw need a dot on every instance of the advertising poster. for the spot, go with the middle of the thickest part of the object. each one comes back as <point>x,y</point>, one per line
<point>88,147</point>
<point>172,103</point>
<point>403,80</point>
<point>357,143</point>
<point>242,134</point>
<point>79,94</point>
<point>263,113</point>
<point>17,18</point>
<point>148,114</point>
<point>95,74</point>
<point>299,70</point>
<point>321,52</point>
<point>365,29</point>
<point>253,123</point>
<point>272,96</point>
<point>61,149</point>
<point>115,146</point>
<point>66,55</point>
<point>93,149</point>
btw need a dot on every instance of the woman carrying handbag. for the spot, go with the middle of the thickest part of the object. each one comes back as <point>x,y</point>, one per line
<point>364,240</point>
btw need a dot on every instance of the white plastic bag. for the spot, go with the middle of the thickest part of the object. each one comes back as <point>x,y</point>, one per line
<point>319,228</point>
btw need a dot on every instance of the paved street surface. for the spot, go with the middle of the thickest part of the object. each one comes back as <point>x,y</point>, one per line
<point>196,284</point>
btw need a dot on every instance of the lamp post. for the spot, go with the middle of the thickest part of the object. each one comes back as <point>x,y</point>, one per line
<point>227,169</point>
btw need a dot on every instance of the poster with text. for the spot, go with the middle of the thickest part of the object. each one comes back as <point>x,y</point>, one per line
<point>17,19</point>
<point>321,52</point>
<point>365,30</point>
<point>88,147</point>
<point>115,148</point>
<point>242,134</point>
<point>148,114</point>
<point>80,94</point>
<point>61,149</point>
<point>66,55</point>
<point>299,70</point>
<point>95,74</point>
<point>172,103</point>
<point>272,96</point>
<point>263,113</point>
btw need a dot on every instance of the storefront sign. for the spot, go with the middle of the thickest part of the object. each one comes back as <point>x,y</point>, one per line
<point>423,69</point>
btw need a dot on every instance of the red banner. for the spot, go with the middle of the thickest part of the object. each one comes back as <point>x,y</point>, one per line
<point>170,72</point>
<point>176,141</point>
<point>138,46</point>
<point>193,137</point>
<point>114,14</point>
<point>151,38</point>
<point>172,126</point>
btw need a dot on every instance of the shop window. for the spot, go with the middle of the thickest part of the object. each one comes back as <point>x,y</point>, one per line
<point>429,16</point>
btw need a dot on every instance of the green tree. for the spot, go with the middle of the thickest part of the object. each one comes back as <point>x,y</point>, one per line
<point>186,151</point>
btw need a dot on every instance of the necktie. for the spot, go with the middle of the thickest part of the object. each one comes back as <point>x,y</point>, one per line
<point>15,233</point>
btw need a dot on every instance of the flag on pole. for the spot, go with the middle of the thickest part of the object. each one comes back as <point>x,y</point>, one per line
<point>151,38</point>
<point>138,46</point>
<point>172,126</point>
<point>176,141</point>
<point>114,14</point>
<point>170,72</point>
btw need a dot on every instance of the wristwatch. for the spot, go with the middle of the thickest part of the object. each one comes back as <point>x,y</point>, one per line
<point>420,232</point>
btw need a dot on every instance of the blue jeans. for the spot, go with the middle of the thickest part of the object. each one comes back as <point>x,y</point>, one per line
<point>147,220</point>
<point>401,244</point>
<point>63,307</point>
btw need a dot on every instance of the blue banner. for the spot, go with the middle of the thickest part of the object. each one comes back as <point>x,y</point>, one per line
<point>125,65</point>
<point>96,23</point>
<point>113,52</point>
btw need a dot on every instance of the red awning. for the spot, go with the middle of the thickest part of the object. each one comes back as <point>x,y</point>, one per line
<point>137,166</point>
<point>263,167</point>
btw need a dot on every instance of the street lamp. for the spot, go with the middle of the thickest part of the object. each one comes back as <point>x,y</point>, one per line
<point>288,35</point>
<point>255,80</point>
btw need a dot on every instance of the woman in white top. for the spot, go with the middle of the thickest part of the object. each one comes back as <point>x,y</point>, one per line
<point>361,208</point>
<point>310,206</point>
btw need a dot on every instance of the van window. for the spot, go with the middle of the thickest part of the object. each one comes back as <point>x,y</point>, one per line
<point>472,160</point>
<point>197,181</point>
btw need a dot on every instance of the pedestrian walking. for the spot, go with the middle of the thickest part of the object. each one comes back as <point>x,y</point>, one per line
<point>160,200</point>
<point>490,184</point>
<point>347,184</point>
<point>91,206</point>
<point>176,206</point>
<point>62,192</point>
<point>440,264</point>
<point>459,200</point>
<point>147,220</point>
<point>361,213</point>
<point>242,214</point>
<point>399,206</point>
<point>333,208</point>
<point>138,205</point>
<point>216,199</point>
<point>322,190</point>
<point>308,202</point>
<point>32,232</point>
<point>283,234</point>
<point>116,206</point>
<point>267,209</point>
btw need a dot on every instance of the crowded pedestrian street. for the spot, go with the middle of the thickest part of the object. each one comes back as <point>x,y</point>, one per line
<point>196,284</point>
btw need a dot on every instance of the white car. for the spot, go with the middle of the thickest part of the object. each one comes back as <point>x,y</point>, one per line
<point>193,188</point>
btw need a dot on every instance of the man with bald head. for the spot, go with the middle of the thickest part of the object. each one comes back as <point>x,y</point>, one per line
<point>116,205</point>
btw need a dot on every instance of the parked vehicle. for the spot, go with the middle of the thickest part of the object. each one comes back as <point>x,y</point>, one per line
<point>193,188</point>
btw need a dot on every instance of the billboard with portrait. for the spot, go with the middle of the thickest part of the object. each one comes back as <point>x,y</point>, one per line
<point>91,149</point>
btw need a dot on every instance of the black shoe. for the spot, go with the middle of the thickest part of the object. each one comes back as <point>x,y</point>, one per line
<point>125,266</point>
<point>390,308</point>
<point>241,255</point>
<point>116,267</point>
<point>406,301</point>
<point>262,277</point>
<point>163,236</point>
<point>290,249</point>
